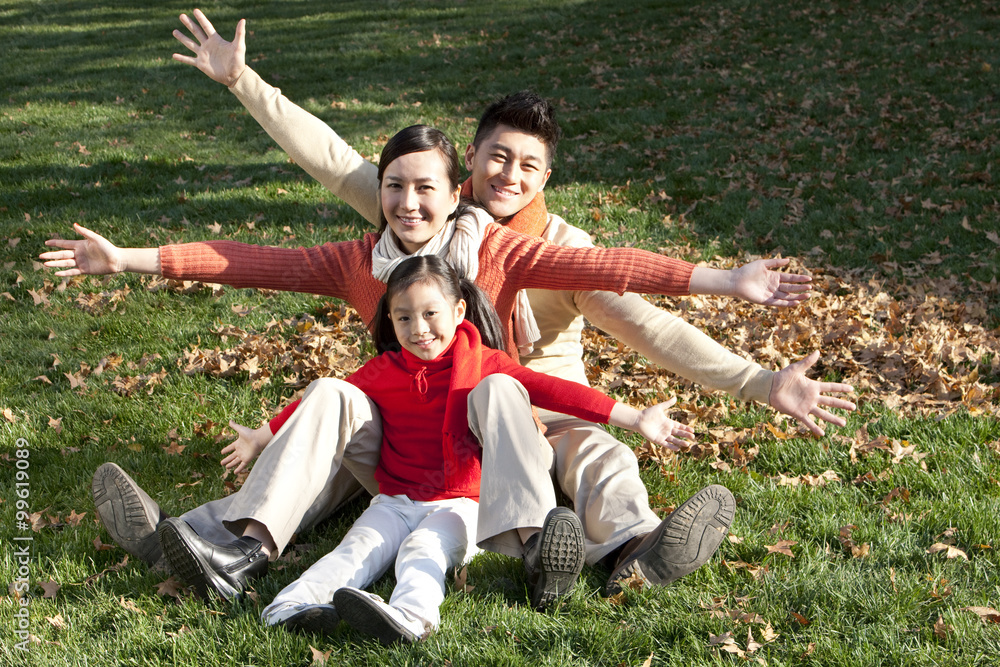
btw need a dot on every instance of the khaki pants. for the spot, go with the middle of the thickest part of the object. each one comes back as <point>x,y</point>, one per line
<point>598,473</point>
<point>312,465</point>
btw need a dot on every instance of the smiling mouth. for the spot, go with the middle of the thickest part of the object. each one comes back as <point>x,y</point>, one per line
<point>504,192</point>
<point>409,222</point>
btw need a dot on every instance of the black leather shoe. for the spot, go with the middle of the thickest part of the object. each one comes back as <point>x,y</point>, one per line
<point>225,569</point>
<point>682,543</point>
<point>129,515</point>
<point>554,557</point>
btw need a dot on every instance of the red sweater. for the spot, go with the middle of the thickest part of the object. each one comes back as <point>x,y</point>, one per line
<point>422,456</point>
<point>508,262</point>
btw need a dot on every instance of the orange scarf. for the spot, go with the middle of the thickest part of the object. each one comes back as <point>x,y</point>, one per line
<point>530,220</point>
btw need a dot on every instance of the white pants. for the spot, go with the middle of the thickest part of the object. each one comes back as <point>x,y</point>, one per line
<point>424,538</point>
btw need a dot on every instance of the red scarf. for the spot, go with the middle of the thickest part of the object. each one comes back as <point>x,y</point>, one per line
<point>530,220</point>
<point>461,448</point>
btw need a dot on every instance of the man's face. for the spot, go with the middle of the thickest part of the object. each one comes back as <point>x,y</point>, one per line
<point>508,169</point>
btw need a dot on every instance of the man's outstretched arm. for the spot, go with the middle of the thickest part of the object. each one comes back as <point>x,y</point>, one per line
<point>684,350</point>
<point>310,142</point>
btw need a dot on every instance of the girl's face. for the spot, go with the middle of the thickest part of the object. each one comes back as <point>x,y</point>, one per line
<point>424,319</point>
<point>417,197</point>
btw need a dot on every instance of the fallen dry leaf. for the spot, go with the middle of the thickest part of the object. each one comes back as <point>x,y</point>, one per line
<point>130,605</point>
<point>318,657</point>
<point>799,618</point>
<point>783,547</point>
<point>459,584</point>
<point>941,629</point>
<point>50,587</point>
<point>987,614</point>
<point>170,587</point>
<point>174,449</point>
<point>950,550</point>
<point>113,568</point>
<point>100,546</point>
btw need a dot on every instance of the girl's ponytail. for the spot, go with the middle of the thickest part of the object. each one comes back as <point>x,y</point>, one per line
<point>479,311</point>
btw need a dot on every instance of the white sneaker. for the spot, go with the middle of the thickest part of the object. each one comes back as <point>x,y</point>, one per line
<point>368,613</point>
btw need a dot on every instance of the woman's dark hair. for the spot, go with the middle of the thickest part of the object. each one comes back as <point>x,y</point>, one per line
<point>479,310</point>
<point>417,139</point>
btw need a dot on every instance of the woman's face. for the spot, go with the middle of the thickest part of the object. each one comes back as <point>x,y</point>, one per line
<point>417,197</point>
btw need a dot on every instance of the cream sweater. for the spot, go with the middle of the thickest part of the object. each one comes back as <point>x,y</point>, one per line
<point>659,336</point>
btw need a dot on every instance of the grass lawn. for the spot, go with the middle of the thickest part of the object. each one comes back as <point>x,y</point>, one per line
<point>859,137</point>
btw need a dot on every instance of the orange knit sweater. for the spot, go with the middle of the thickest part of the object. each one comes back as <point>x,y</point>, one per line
<point>508,262</point>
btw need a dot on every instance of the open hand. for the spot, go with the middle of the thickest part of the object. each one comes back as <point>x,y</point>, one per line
<point>222,61</point>
<point>93,255</point>
<point>758,283</point>
<point>658,428</point>
<point>802,398</point>
<point>247,446</point>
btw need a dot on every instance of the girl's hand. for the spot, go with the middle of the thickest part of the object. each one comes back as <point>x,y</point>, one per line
<point>94,255</point>
<point>757,283</point>
<point>246,447</point>
<point>658,428</point>
<point>798,396</point>
<point>222,61</point>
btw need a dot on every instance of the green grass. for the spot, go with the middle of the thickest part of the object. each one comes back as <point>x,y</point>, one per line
<point>860,136</point>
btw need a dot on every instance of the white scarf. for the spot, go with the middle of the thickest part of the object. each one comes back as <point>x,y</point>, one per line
<point>458,244</point>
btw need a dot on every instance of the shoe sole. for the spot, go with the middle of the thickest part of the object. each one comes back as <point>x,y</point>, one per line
<point>561,556</point>
<point>682,543</point>
<point>356,609</point>
<point>123,513</point>
<point>318,620</point>
<point>188,564</point>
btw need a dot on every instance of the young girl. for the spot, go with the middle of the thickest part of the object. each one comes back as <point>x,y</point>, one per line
<point>431,358</point>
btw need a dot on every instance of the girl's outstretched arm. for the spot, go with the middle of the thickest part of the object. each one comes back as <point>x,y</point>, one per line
<point>653,424</point>
<point>95,255</point>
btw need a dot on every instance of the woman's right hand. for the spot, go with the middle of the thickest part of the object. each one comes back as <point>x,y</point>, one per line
<point>93,255</point>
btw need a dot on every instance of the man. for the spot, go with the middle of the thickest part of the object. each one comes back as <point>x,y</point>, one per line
<point>510,162</point>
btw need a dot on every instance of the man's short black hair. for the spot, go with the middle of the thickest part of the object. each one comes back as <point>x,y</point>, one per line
<point>524,111</point>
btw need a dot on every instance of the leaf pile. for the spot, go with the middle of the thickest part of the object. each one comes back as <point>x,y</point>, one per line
<point>915,348</point>
<point>295,350</point>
